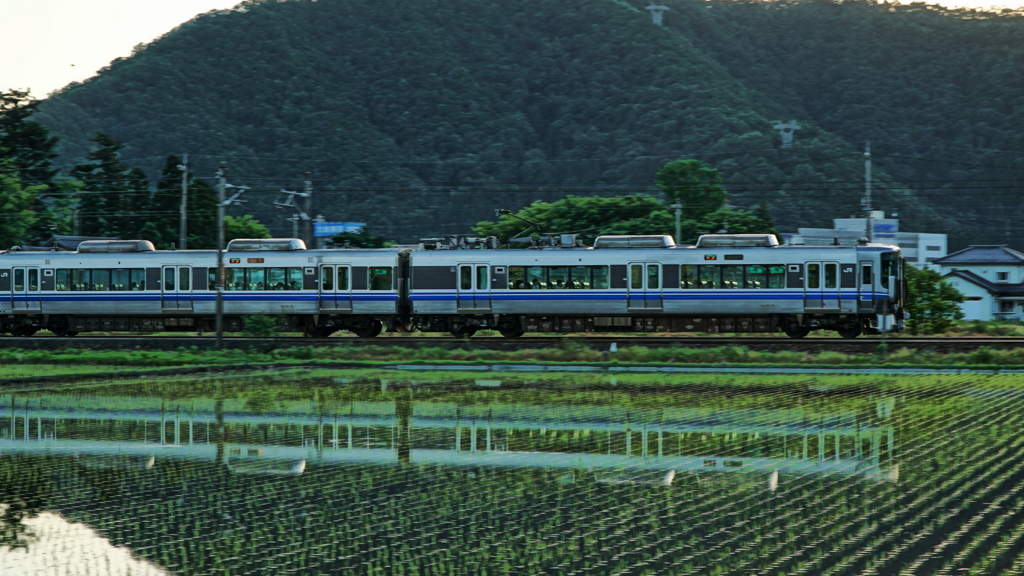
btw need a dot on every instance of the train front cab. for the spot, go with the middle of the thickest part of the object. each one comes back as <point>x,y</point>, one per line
<point>865,296</point>
<point>890,289</point>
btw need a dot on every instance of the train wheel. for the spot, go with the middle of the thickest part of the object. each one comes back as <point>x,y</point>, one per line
<point>369,329</point>
<point>511,328</point>
<point>24,331</point>
<point>851,330</point>
<point>464,331</point>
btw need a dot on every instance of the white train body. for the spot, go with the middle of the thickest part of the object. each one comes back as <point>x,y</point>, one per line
<point>740,283</point>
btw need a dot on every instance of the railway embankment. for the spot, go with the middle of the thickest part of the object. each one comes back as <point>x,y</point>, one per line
<point>22,366</point>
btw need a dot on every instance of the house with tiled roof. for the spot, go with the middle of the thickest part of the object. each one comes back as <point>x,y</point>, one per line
<point>990,277</point>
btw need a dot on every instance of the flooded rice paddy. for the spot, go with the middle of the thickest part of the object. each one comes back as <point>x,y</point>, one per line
<point>290,475</point>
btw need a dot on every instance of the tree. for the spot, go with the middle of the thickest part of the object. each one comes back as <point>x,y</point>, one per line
<point>164,207</point>
<point>114,196</point>
<point>16,213</point>
<point>361,239</point>
<point>202,215</point>
<point>588,216</point>
<point>732,221</point>
<point>244,227</point>
<point>932,302</point>
<point>29,149</point>
<point>26,143</point>
<point>689,183</point>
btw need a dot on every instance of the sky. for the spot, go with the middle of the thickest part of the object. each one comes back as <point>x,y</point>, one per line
<point>48,44</point>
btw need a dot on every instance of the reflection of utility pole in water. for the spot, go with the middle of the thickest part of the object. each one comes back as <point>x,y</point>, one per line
<point>220,432</point>
<point>403,412</point>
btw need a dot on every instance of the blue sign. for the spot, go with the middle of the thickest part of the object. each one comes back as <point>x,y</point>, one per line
<point>886,228</point>
<point>325,229</point>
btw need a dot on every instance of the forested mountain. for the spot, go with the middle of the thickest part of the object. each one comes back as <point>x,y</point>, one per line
<point>421,118</point>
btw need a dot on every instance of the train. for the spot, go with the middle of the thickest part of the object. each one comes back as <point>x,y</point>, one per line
<point>724,283</point>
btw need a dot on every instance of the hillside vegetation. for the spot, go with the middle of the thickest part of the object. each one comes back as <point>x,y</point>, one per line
<point>421,118</point>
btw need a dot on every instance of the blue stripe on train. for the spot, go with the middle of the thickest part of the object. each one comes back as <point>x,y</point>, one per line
<point>203,297</point>
<point>550,295</point>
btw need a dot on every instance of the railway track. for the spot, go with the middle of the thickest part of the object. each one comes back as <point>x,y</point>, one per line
<point>603,342</point>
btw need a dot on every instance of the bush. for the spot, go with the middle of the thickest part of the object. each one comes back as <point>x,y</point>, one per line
<point>260,326</point>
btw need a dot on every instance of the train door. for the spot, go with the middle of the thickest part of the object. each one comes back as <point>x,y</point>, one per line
<point>473,291</point>
<point>821,286</point>
<point>336,288</point>
<point>865,284</point>
<point>25,288</point>
<point>644,286</point>
<point>176,288</point>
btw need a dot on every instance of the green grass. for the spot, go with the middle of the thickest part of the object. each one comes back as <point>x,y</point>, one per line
<point>568,352</point>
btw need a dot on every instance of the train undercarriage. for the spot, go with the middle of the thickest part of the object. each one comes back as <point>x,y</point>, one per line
<point>460,326</point>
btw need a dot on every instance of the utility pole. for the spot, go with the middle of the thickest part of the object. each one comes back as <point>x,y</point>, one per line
<point>679,214</point>
<point>222,204</point>
<point>301,214</point>
<point>183,215</point>
<point>867,190</point>
<point>222,184</point>
<point>308,232</point>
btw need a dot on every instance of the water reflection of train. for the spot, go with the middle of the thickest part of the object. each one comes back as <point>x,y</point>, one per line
<point>613,444</point>
<point>725,283</point>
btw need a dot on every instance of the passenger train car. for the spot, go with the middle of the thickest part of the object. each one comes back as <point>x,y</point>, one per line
<point>724,283</point>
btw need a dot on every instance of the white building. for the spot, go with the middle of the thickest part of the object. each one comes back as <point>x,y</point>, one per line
<point>920,249</point>
<point>990,277</point>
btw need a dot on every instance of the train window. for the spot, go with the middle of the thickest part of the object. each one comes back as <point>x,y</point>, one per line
<point>295,278</point>
<point>138,278</point>
<point>831,275</point>
<point>687,277</point>
<point>535,278</point>
<point>465,278</point>
<point>732,277</point>
<point>63,280</point>
<point>33,279</point>
<point>579,278</point>
<point>119,279</point>
<point>342,278</point>
<point>813,276</point>
<point>709,277</point>
<point>777,276</point>
<point>256,278</point>
<point>234,279</point>
<point>888,268</point>
<point>865,273</point>
<point>327,278</point>
<point>557,277</point>
<point>276,278</point>
<point>79,279</point>
<point>184,278</point>
<point>653,276</point>
<point>19,280</point>
<point>100,280</point>
<point>517,277</point>
<point>482,278</point>
<point>380,279</point>
<point>636,276</point>
<point>755,277</point>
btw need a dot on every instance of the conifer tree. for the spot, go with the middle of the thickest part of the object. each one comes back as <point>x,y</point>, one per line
<point>28,148</point>
<point>114,196</point>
